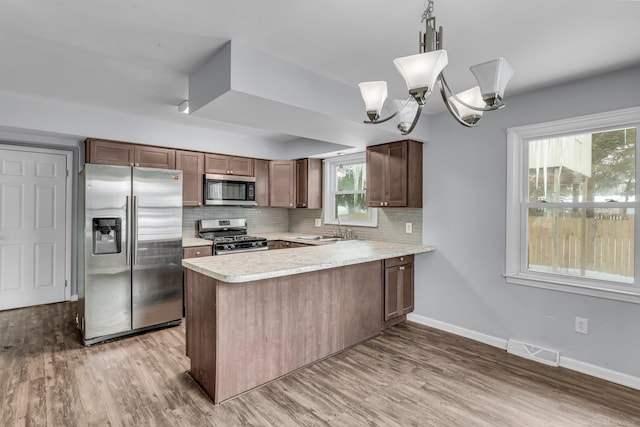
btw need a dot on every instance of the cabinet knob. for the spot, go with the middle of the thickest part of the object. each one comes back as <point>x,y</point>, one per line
<point>231,172</point>
<point>402,267</point>
<point>199,204</point>
<point>197,252</point>
<point>381,203</point>
<point>386,203</point>
<point>401,258</point>
<point>137,164</point>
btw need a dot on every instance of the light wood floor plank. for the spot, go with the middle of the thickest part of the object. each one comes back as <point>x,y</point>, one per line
<point>409,376</point>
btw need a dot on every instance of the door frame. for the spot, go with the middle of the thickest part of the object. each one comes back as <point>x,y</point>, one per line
<point>68,203</point>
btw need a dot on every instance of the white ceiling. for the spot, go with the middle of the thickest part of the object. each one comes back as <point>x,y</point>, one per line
<point>135,56</point>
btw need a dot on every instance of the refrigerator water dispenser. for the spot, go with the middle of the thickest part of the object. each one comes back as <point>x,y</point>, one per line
<point>106,236</point>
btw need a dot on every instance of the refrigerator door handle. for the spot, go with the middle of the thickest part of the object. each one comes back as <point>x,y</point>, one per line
<point>134,232</point>
<point>127,253</point>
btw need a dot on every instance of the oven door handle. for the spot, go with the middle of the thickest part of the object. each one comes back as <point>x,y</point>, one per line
<point>237,251</point>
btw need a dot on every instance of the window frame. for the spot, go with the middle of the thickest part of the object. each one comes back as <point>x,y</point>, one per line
<point>330,182</point>
<point>517,205</point>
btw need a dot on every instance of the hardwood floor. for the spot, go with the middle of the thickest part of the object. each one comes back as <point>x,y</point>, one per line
<point>411,375</point>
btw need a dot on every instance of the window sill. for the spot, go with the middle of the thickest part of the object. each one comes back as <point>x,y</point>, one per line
<point>344,223</point>
<point>588,289</point>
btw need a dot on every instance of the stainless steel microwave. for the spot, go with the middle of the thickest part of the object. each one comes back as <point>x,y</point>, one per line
<point>230,190</point>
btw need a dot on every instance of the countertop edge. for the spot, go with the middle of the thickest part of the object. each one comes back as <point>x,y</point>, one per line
<point>192,264</point>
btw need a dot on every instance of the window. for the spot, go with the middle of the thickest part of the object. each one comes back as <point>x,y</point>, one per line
<point>571,205</point>
<point>345,192</point>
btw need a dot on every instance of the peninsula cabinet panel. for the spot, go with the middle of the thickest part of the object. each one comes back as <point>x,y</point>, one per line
<point>109,152</point>
<point>228,165</point>
<point>242,335</point>
<point>191,164</point>
<point>155,157</point>
<point>261,168</point>
<point>394,174</point>
<point>282,190</point>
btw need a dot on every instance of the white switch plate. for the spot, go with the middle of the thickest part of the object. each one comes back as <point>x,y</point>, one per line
<point>318,222</point>
<point>582,325</point>
<point>408,228</point>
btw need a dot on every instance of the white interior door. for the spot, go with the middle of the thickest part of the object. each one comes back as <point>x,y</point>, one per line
<point>32,227</point>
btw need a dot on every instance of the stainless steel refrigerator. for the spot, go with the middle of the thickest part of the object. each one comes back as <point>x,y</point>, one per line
<point>130,247</point>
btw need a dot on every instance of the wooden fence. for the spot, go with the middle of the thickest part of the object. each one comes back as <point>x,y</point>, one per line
<point>603,243</point>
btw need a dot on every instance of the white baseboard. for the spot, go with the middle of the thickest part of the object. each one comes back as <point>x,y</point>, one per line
<point>565,362</point>
<point>600,372</point>
<point>74,297</point>
<point>457,330</point>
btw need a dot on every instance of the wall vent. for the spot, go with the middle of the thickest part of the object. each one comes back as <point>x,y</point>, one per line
<point>533,352</point>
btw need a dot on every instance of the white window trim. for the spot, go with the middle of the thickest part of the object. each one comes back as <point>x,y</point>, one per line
<point>516,250</point>
<point>330,184</point>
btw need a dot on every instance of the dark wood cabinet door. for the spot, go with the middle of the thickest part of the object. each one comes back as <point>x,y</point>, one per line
<point>241,166</point>
<point>155,157</point>
<point>309,183</point>
<point>376,172</point>
<point>398,286</point>
<point>191,164</point>
<point>396,183</point>
<point>228,165</point>
<point>392,292</point>
<point>261,172</point>
<point>109,152</point>
<point>301,183</point>
<point>216,163</point>
<point>407,289</point>
<point>282,175</point>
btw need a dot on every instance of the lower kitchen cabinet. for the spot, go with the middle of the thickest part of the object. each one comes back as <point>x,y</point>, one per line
<point>398,288</point>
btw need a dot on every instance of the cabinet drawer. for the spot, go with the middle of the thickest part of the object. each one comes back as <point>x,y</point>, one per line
<point>197,252</point>
<point>399,260</point>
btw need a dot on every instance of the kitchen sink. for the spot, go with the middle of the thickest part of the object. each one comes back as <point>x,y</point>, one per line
<point>319,238</point>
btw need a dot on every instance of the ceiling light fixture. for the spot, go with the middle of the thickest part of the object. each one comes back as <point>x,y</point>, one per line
<point>183,107</point>
<point>422,71</point>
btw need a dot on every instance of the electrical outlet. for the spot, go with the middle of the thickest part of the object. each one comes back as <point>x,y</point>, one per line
<point>582,325</point>
<point>408,228</point>
<point>318,222</point>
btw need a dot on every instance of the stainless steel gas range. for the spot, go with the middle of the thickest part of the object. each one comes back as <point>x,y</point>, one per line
<point>229,236</point>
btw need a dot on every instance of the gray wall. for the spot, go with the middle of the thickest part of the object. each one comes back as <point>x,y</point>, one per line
<point>464,216</point>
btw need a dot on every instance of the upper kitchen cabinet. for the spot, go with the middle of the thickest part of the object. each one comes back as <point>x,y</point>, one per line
<point>261,172</point>
<point>309,183</point>
<point>191,164</point>
<point>126,154</point>
<point>282,176</point>
<point>109,152</point>
<point>228,165</point>
<point>394,174</point>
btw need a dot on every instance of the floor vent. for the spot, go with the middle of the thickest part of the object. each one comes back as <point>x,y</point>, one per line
<point>533,352</point>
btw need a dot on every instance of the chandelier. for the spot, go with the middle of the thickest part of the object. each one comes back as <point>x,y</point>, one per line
<point>422,71</point>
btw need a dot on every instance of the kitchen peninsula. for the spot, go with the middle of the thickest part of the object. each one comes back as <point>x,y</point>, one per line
<point>254,317</point>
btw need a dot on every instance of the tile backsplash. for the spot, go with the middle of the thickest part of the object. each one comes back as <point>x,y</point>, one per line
<point>391,225</point>
<point>259,220</point>
<point>391,222</point>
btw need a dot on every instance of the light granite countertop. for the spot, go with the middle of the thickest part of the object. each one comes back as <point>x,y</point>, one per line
<point>188,242</point>
<point>250,266</point>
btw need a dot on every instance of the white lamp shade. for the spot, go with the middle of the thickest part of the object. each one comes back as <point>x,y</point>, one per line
<point>405,116</point>
<point>492,76</point>
<point>472,97</point>
<point>421,70</point>
<point>374,95</point>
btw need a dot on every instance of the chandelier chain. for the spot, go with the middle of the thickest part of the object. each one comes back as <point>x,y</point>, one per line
<point>428,10</point>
